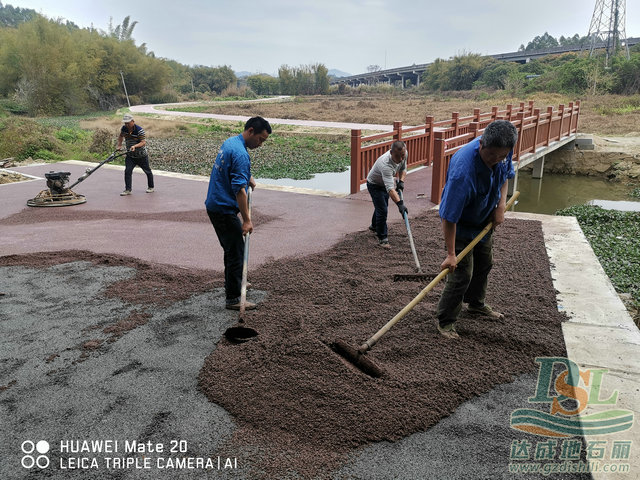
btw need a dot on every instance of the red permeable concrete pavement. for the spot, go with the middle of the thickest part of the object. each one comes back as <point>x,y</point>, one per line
<point>170,226</point>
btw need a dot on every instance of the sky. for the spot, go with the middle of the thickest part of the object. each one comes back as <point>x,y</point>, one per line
<point>347,35</point>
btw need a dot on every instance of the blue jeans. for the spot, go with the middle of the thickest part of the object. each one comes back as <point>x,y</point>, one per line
<point>130,163</point>
<point>229,231</point>
<point>468,282</point>
<point>380,198</point>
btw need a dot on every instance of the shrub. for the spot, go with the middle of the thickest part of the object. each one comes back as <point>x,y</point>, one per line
<point>103,141</point>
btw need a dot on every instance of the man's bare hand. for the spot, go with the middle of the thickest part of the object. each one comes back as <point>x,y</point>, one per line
<point>247,227</point>
<point>450,262</point>
<point>498,215</point>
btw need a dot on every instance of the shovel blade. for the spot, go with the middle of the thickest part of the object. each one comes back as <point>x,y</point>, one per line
<point>240,334</point>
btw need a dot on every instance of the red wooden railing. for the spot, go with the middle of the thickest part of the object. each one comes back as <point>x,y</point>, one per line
<point>436,142</point>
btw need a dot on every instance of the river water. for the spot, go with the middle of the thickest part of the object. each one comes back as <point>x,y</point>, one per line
<point>554,192</point>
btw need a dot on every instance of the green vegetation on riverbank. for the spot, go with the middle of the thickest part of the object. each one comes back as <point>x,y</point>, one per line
<point>613,235</point>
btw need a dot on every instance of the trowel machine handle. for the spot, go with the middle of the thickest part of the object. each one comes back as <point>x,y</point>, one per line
<point>89,171</point>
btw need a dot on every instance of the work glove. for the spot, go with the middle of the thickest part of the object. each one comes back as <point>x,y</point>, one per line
<point>399,185</point>
<point>402,209</point>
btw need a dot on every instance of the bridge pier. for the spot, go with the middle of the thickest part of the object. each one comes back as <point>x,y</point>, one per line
<point>512,184</point>
<point>538,168</point>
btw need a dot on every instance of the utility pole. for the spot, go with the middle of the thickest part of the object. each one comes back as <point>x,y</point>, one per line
<point>125,89</point>
<point>607,29</point>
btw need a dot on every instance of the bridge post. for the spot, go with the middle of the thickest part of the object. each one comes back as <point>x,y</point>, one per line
<point>397,131</point>
<point>550,120</point>
<point>560,131</point>
<point>520,128</point>
<point>356,159</point>
<point>538,168</point>
<point>454,122</point>
<point>512,185</point>
<point>476,114</point>
<point>494,113</point>
<point>439,167</point>
<point>473,128</point>
<point>536,113</point>
<point>428,129</point>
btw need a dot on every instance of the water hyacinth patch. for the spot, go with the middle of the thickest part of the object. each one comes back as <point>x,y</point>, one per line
<point>613,236</point>
<point>296,157</point>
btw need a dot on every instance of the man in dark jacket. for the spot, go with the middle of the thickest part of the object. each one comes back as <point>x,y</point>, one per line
<point>227,195</point>
<point>135,141</point>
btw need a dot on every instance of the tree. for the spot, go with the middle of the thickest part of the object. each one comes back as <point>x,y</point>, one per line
<point>373,68</point>
<point>458,73</point>
<point>304,80</point>
<point>124,31</point>
<point>12,17</point>
<point>264,84</point>
<point>541,42</point>
<point>55,68</point>
<point>322,79</point>
<point>216,79</point>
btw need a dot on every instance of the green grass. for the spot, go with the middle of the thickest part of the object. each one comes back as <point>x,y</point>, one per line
<point>613,236</point>
<point>70,121</point>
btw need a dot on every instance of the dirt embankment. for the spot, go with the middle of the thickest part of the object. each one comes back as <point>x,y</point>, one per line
<point>615,158</point>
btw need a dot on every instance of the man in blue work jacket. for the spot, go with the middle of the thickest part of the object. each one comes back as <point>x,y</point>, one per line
<point>474,194</point>
<point>227,195</point>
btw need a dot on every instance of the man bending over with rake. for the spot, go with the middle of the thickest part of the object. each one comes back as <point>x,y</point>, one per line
<point>474,194</point>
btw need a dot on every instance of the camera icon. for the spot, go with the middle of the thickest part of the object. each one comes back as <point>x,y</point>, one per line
<point>29,461</point>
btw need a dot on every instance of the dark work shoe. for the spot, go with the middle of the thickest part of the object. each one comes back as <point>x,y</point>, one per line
<point>236,306</point>
<point>485,311</point>
<point>372,229</point>
<point>448,331</point>
<point>384,243</point>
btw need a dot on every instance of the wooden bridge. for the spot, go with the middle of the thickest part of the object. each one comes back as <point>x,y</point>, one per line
<point>540,131</point>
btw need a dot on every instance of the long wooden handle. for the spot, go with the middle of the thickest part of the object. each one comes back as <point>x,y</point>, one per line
<point>245,263</point>
<point>368,345</point>
<point>413,246</point>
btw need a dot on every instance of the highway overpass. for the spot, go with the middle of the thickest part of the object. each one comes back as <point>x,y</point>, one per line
<point>411,75</point>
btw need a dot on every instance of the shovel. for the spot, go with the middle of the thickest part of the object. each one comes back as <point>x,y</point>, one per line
<point>240,332</point>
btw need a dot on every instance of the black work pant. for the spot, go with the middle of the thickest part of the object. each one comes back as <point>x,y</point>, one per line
<point>228,228</point>
<point>380,198</point>
<point>468,282</point>
<point>130,163</point>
